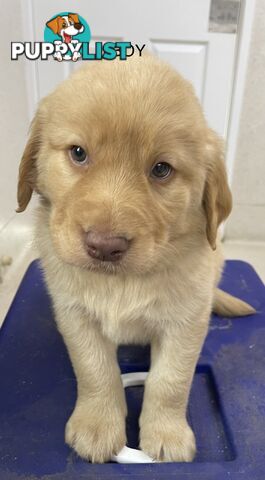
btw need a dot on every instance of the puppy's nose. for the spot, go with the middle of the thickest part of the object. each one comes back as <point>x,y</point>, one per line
<point>105,247</point>
<point>78,26</point>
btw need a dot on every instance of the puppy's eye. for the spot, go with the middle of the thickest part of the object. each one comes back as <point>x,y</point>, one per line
<point>78,155</point>
<point>161,170</point>
<point>64,25</point>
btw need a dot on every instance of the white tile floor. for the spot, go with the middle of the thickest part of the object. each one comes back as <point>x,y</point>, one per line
<point>251,252</point>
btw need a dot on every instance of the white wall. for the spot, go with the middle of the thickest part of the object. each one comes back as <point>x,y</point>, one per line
<point>247,220</point>
<point>14,122</point>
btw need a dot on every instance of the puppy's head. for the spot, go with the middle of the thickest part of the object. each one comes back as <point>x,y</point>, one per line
<point>126,166</point>
<point>66,26</point>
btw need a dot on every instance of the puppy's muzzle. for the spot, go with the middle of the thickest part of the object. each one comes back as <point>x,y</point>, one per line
<point>105,247</point>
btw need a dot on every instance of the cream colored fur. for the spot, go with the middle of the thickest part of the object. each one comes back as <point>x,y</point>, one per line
<point>127,115</point>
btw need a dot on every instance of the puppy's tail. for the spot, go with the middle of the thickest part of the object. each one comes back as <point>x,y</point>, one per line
<point>226,305</point>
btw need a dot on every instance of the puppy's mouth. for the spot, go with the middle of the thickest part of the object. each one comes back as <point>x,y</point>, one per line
<point>67,38</point>
<point>106,267</point>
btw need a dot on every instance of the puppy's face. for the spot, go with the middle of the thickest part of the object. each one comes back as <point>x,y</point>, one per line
<point>66,26</point>
<point>121,151</point>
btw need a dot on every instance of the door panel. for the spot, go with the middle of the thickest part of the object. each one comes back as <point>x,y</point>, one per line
<point>175,30</point>
<point>188,58</point>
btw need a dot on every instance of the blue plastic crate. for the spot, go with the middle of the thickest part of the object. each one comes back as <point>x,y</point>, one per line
<point>38,390</point>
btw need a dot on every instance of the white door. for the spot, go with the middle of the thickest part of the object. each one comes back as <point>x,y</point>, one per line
<point>175,30</point>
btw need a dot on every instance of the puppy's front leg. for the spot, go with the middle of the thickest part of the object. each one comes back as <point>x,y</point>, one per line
<point>164,432</point>
<point>96,428</point>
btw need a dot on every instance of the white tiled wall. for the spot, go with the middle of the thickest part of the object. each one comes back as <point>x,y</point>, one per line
<point>14,122</point>
<point>248,217</point>
<point>14,114</point>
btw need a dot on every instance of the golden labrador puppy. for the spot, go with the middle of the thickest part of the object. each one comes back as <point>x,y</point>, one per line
<point>132,189</point>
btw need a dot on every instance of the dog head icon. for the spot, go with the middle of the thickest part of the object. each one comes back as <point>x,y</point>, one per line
<point>67,26</point>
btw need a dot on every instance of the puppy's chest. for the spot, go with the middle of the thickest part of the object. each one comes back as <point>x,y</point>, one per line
<point>126,313</point>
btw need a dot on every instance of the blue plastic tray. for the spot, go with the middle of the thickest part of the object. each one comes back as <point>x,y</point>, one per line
<point>38,390</point>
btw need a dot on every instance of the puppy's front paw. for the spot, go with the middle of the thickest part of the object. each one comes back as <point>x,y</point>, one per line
<point>76,56</point>
<point>168,441</point>
<point>94,435</point>
<point>58,56</point>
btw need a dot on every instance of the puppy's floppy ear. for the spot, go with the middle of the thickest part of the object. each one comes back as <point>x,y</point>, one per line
<point>54,24</point>
<point>217,198</point>
<point>27,168</point>
<point>74,17</point>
